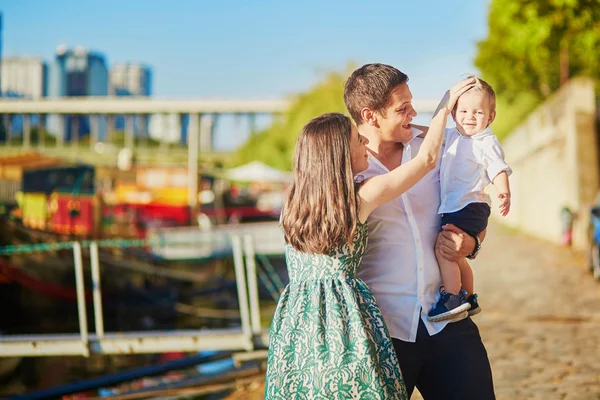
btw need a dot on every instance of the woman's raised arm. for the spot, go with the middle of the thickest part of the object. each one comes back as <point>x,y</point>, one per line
<point>383,188</point>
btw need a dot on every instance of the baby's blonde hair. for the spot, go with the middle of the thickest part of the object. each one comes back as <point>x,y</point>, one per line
<point>483,86</point>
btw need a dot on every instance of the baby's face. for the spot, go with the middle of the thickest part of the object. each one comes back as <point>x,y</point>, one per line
<point>473,112</point>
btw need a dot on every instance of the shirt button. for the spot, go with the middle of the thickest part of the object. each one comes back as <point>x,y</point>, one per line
<point>420,268</point>
<point>418,241</point>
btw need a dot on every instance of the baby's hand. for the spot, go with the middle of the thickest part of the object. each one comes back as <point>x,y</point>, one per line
<point>504,203</point>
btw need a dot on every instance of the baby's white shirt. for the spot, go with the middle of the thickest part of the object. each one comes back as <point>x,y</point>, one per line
<point>469,164</point>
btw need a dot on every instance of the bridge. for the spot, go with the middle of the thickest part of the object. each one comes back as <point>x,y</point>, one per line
<point>109,107</point>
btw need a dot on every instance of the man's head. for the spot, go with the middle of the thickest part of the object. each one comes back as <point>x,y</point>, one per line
<point>378,95</point>
<point>475,110</point>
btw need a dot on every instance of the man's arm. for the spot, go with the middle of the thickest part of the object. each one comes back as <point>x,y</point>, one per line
<point>454,243</point>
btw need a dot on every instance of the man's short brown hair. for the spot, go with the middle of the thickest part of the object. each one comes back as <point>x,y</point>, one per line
<point>370,86</point>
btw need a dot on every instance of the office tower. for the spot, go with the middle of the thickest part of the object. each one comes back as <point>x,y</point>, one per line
<point>131,79</point>
<point>76,72</point>
<point>23,77</point>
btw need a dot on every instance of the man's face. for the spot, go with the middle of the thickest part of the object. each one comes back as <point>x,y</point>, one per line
<point>394,124</point>
<point>473,112</point>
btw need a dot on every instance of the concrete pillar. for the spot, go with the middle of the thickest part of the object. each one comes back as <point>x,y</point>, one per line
<point>129,131</point>
<point>110,127</point>
<point>26,131</point>
<point>60,134</point>
<point>144,120</point>
<point>94,130</point>
<point>252,123</point>
<point>75,119</point>
<point>193,142</point>
<point>206,132</point>
<point>164,145</point>
<point>41,130</point>
<point>7,128</point>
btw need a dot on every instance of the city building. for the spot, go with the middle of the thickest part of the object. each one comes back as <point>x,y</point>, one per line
<point>131,79</point>
<point>2,127</point>
<point>23,77</point>
<point>170,128</point>
<point>0,50</point>
<point>73,73</point>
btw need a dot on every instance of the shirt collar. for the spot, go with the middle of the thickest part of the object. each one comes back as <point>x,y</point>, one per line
<point>484,133</point>
<point>415,132</point>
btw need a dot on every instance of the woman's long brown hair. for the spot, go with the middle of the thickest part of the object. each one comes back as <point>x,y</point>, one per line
<point>321,210</point>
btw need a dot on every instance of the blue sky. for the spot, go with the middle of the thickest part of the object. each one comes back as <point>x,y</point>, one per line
<point>256,49</point>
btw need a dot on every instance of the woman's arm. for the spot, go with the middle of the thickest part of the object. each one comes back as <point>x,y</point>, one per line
<point>383,188</point>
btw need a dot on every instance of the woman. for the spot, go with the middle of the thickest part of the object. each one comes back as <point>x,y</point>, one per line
<point>328,338</point>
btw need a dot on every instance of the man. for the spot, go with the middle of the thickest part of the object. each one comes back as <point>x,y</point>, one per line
<point>443,360</point>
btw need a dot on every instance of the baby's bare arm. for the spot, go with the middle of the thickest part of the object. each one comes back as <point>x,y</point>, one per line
<point>501,183</point>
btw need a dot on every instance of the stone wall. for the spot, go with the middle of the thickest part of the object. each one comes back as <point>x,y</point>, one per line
<point>554,156</point>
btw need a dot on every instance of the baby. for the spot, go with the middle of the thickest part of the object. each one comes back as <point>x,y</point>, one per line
<point>471,159</point>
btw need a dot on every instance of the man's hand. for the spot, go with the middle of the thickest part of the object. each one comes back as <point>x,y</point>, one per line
<point>504,203</point>
<point>453,243</point>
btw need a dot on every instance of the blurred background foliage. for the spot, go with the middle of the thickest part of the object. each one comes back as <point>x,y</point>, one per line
<point>275,145</point>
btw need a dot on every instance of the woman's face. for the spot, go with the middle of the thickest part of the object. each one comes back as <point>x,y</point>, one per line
<point>358,151</point>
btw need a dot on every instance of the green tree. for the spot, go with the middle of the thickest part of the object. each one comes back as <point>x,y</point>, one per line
<point>532,48</point>
<point>275,145</point>
<point>535,45</point>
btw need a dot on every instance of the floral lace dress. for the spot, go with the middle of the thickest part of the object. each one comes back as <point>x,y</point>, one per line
<point>328,338</point>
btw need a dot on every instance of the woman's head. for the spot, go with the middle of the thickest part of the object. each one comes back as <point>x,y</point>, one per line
<point>330,142</point>
<point>321,209</point>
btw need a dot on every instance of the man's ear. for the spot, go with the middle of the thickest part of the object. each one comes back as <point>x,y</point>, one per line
<point>369,116</point>
<point>492,117</point>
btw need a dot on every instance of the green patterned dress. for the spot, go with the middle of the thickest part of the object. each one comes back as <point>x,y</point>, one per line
<point>328,339</point>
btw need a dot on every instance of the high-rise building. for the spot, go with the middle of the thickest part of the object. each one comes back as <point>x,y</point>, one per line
<point>76,72</point>
<point>0,49</point>
<point>23,77</point>
<point>2,128</point>
<point>131,79</point>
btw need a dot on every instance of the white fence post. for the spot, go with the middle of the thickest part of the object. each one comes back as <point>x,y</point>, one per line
<point>96,288</point>
<point>80,287</point>
<point>238,261</point>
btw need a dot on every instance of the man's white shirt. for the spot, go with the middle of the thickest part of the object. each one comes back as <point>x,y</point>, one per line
<point>399,264</point>
<point>469,164</point>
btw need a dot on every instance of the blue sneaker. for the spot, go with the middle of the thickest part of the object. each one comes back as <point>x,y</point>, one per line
<point>475,309</point>
<point>449,307</point>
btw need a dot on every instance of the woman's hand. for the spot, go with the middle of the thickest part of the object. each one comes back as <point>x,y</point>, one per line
<point>458,89</point>
<point>451,96</point>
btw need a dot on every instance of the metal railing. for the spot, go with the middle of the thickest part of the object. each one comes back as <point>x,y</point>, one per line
<point>246,242</point>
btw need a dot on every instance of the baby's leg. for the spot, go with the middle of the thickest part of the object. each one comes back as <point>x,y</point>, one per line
<point>466,275</point>
<point>450,272</point>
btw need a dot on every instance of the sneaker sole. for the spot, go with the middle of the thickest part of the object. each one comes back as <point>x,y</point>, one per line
<point>459,317</point>
<point>452,314</point>
<point>474,311</point>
